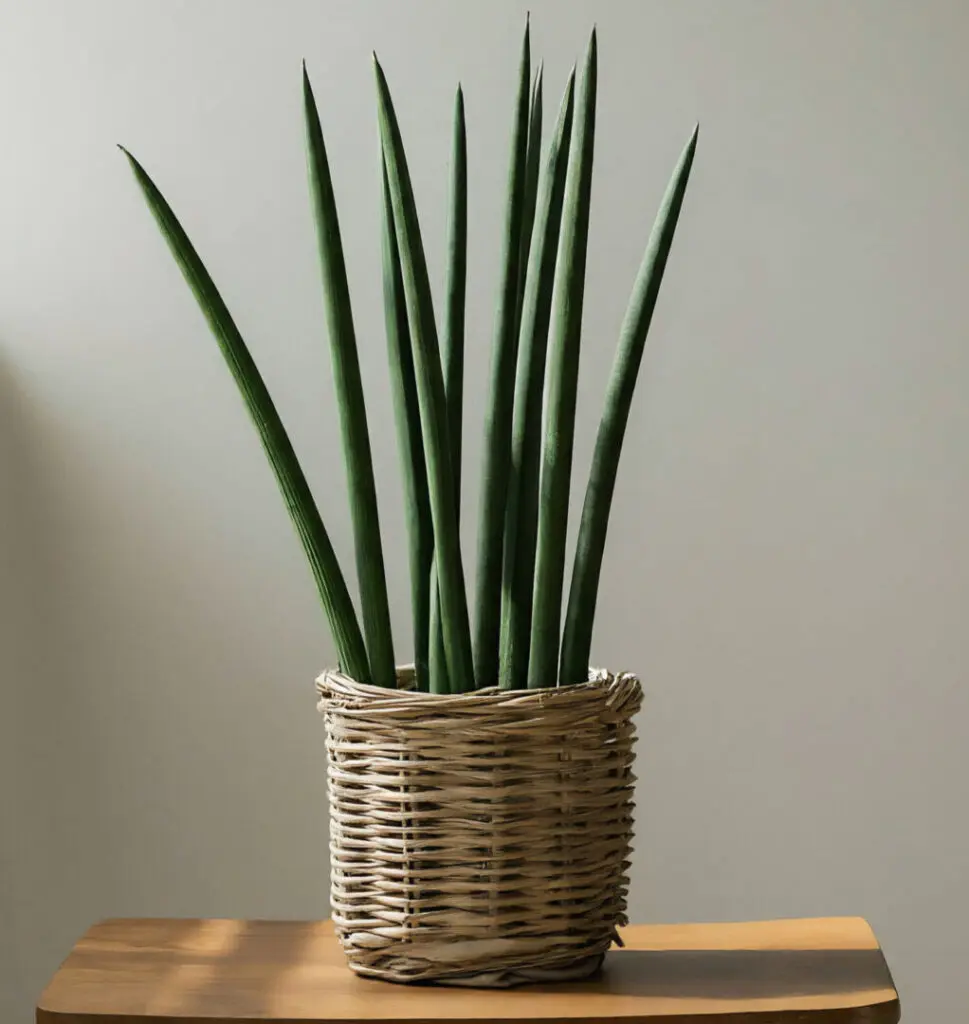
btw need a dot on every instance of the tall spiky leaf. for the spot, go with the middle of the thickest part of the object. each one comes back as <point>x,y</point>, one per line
<point>295,490</point>
<point>562,383</point>
<point>454,292</point>
<point>533,162</point>
<point>577,639</point>
<point>498,419</point>
<point>453,344</point>
<point>420,532</point>
<point>350,401</point>
<point>431,397</point>
<point>521,521</point>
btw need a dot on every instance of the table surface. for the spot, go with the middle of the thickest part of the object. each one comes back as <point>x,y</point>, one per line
<point>822,971</point>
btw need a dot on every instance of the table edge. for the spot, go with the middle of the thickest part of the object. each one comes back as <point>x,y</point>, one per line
<point>880,1011</point>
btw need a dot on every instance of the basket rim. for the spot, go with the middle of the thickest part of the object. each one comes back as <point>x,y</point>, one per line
<point>332,683</point>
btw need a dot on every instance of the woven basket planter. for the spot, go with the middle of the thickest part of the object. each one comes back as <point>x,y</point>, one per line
<point>479,838</point>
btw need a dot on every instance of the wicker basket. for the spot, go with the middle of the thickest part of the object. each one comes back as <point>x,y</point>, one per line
<point>479,838</point>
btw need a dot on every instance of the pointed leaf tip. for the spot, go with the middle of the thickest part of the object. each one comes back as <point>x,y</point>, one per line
<point>593,50</point>
<point>132,160</point>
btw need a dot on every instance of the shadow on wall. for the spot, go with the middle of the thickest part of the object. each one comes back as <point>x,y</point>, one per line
<point>35,795</point>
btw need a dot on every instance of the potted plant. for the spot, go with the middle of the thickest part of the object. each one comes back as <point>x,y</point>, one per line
<point>480,798</point>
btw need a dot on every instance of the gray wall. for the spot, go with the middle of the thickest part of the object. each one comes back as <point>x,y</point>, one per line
<point>789,563</point>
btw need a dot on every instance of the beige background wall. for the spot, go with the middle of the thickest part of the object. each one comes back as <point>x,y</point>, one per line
<point>789,560</point>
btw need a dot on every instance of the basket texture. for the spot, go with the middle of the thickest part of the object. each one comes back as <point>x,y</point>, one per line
<point>479,838</point>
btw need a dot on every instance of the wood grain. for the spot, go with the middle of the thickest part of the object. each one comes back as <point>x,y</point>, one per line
<point>822,971</point>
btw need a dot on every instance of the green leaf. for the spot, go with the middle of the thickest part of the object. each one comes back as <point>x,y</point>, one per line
<point>498,419</point>
<point>533,162</point>
<point>454,294</point>
<point>562,384</point>
<point>591,542</point>
<point>522,516</point>
<point>289,476</point>
<point>417,508</point>
<point>350,401</point>
<point>431,397</point>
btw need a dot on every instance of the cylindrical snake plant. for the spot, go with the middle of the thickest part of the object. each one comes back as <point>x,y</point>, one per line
<point>518,638</point>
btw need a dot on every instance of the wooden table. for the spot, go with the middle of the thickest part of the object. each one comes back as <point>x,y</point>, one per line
<point>825,971</point>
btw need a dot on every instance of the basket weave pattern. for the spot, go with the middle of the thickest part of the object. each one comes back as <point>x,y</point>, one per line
<point>479,836</point>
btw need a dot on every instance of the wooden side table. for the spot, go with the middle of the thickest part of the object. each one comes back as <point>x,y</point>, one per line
<point>824,971</point>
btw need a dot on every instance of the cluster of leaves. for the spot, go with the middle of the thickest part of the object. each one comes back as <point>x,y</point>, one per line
<point>518,639</point>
